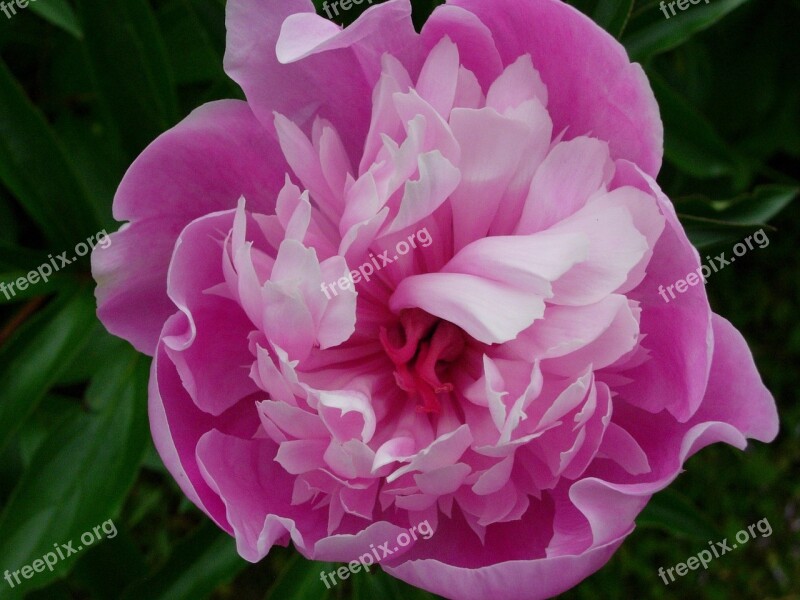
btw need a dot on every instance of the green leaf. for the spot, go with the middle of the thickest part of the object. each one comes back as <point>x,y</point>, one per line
<point>51,412</point>
<point>129,65</point>
<point>377,584</point>
<point>704,233</point>
<point>9,276</point>
<point>106,569</point>
<point>301,580</point>
<point>710,222</point>
<point>752,209</point>
<point>611,15</point>
<point>91,357</point>
<point>183,28</point>
<point>35,168</point>
<point>100,160</point>
<point>60,14</point>
<point>9,226</point>
<point>35,358</point>
<point>17,258</point>
<point>690,141</point>
<point>80,474</point>
<point>198,565</point>
<point>57,591</point>
<point>650,32</point>
<point>670,511</point>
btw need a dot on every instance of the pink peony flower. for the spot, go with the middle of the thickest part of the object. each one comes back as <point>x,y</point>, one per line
<point>518,382</point>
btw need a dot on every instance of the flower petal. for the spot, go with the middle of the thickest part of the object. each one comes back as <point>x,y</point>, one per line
<point>600,94</point>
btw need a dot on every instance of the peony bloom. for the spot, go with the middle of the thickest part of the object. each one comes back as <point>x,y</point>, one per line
<point>415,278</point>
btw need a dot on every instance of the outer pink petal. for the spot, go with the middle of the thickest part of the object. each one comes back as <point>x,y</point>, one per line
<point>204,164</point>
<point>347,547</point>
<point>257,493</point>
<point>735,392</point>
<point>177,425</point>
<point>476,47</point>
<point>513,580</point>
<point>736,406</point>
<point>679,334</point>
<point>212,354</point>
<point>333,74</point>
<point>593,88</point>
<point>131,288</point>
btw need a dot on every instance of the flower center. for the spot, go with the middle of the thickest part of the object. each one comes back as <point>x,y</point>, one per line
<point>422,347</point>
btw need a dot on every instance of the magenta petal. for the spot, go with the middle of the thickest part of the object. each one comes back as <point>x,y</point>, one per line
<point>313,85</point>
<point>257,494</point>
<point>344,548</point>
<point>601,93</point>
<point>213,355</point>
<point>176,445</point>
<point>512,580</point>
<point>204,164</point>
<point>678,332</point>
<point>131,289</point>
<point>477,49</point>
<point>735,392</point>
<point>177,425</point>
